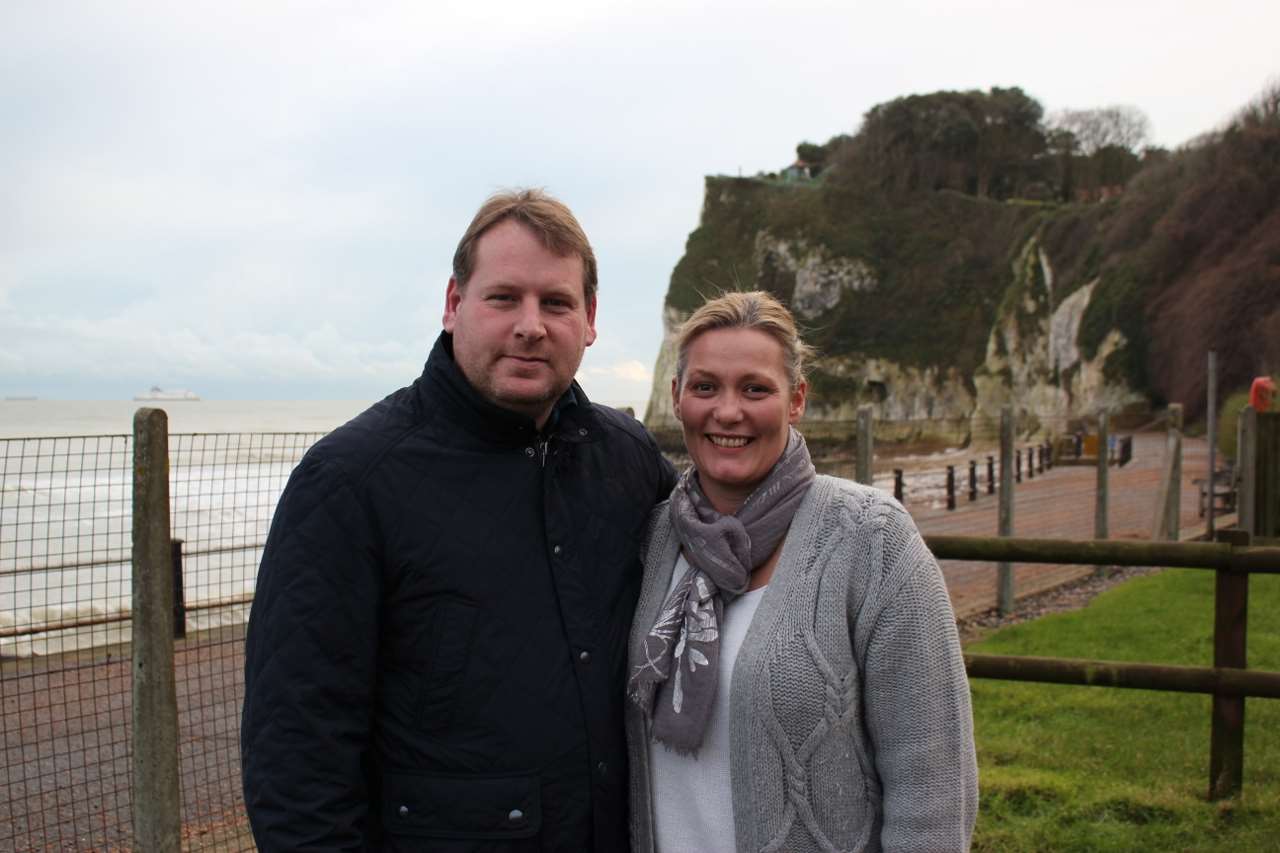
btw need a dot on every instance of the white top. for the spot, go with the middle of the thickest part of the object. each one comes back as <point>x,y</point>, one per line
<point>692,798</point>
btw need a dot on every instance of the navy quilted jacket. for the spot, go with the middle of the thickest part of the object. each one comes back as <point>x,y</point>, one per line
<point>436,651</point>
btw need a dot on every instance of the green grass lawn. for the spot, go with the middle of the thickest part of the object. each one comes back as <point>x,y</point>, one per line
<point>1089,768</point>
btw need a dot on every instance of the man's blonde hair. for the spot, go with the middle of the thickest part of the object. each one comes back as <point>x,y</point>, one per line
<point>547,217</point>
<point>753,309</point>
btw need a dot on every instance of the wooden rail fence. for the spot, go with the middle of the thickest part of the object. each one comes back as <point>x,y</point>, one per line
<point>1235,555</point>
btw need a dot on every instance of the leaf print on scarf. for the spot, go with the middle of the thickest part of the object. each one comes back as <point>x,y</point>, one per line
<point>677,693</point>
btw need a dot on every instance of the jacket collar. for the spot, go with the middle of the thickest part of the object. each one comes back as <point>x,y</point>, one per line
<point>572,417</point>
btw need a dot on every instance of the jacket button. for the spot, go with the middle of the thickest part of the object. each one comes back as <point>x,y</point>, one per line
<point>584,656</point>
<point>404,811</point>
<point>582,430</point>
<point>556,550</point>
<point>514,815</point>
<point>529,451</point>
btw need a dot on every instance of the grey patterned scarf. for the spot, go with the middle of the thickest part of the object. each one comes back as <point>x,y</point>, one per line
<point>676,682</point>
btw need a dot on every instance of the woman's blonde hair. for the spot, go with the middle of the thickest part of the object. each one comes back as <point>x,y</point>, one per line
<point>753,309</point>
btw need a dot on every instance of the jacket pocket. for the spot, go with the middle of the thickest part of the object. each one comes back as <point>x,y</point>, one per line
<point>450,625</point>
<point>461,806</point>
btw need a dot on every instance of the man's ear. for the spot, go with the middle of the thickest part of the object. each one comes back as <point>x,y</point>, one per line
<point>452,296</point>
<point>591,321</point>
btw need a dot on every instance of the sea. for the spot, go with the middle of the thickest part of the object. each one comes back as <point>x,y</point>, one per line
<point>33,418</point>
<point>66,521</point>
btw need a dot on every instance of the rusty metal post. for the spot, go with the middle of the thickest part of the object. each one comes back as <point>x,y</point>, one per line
<point>1004,571</point>
<point>1169,494</point>
<point>1101,496</point>
<point>1230,624</point>
<point>897,485</point>
<point>156,808</point>
<point>991,475</point>
<point>973,480</point>
<point>1211,426</point>
<point>862,465</point>
<point>951,487</point>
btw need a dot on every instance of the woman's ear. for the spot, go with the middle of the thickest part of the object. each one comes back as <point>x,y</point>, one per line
<point>797,401</point>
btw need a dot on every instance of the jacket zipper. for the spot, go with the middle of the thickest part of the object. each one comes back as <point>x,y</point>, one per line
<point>546,443</point>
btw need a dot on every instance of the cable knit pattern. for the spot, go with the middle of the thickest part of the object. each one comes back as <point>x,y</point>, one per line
<point>850,726</point>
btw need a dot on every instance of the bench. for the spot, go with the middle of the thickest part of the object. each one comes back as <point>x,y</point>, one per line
<point>1221,489</point>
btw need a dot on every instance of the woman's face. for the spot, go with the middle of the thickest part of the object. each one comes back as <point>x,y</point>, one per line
<point>736,405</point>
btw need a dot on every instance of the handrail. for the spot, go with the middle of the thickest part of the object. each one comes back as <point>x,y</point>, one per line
<point>1220,681</point>
<point>121,557</point>
<point>1107,552</point>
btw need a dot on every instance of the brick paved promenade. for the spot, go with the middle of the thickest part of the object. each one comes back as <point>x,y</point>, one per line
<point>1059,504</point>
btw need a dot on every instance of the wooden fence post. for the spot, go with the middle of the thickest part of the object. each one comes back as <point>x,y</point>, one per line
<point>1226,728</point>
<point>1258,452</point>
<point>1258,455</point>
<point>157,820</point>
<point>1100,499</point>
<point>862,465</point>
<point>1004,571</point>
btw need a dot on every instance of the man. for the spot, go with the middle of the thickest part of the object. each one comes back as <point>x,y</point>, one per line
<point>436,650</point>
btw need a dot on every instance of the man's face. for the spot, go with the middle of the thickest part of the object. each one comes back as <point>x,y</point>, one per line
<point>521,323</point>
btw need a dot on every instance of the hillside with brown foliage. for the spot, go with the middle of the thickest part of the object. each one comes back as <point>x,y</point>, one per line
<point>1216,259</point>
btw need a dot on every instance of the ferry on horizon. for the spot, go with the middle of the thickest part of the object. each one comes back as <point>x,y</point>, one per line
<point>158,393</point>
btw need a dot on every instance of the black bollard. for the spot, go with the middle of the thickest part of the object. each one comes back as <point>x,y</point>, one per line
<point>991,475</point>
<point>951,487</point>
<point>897,484</point>
<point>973,480</point>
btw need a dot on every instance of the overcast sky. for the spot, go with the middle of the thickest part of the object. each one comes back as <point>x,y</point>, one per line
<point>260,200</point>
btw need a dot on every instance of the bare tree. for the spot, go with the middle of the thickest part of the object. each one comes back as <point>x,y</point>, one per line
<point>1119,125</point>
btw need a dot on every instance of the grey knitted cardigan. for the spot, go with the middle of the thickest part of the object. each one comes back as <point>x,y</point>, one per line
<point>850,726</point>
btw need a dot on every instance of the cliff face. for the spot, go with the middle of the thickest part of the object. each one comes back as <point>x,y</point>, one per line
<point>936,324</point>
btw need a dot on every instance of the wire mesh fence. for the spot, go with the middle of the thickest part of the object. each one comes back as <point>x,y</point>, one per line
<point>65,528</point>
<point>223,490</point>
<point>65,670</point>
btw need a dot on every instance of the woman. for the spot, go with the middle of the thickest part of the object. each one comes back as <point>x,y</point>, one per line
<point>795,673</point>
